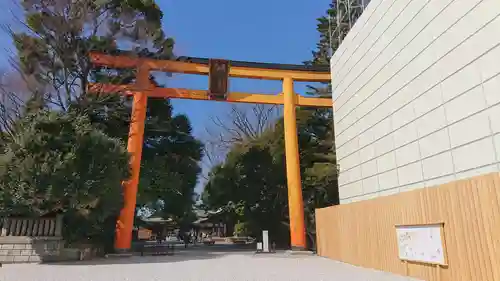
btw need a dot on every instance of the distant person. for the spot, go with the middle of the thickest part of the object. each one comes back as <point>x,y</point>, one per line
<point>186,239</point>
<point>159,237</point>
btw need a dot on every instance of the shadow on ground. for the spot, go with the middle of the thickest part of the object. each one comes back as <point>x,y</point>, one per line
<point>181,254</point>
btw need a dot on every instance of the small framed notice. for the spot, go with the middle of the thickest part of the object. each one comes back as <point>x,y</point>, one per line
<point>422,243</point>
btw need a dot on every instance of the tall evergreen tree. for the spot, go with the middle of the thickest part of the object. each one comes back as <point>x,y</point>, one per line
<point>170,165</point>
<point>53,58</point>
<point>325,47</point>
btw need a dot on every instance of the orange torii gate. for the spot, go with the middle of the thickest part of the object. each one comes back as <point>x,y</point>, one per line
<point>219,72</point>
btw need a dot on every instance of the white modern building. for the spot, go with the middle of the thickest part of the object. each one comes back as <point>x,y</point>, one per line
<point>416,90</point>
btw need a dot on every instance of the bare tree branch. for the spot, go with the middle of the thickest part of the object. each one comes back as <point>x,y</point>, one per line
<point>57,36</point>
<point>241,124</point>
<point>14,92</point>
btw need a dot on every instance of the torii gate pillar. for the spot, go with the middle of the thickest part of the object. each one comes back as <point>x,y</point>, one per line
<point>295,201</point>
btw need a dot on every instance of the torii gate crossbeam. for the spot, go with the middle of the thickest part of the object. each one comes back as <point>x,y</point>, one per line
<point>142,89</point>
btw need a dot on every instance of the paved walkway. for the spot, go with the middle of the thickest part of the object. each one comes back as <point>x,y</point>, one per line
<point>198,265</point>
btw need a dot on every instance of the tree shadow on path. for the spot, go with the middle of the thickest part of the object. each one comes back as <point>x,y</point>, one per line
<point>180,255</point>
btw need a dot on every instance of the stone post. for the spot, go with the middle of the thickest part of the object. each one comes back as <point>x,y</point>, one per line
<point>59,224</point>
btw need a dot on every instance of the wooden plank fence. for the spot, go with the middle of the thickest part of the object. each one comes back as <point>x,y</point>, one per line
<point>364,233</point>
<point>37,227</point>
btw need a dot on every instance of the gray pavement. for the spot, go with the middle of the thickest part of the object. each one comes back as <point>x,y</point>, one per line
<point>198,264</point>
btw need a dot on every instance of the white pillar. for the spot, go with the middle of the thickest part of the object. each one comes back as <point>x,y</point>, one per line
<point>265,241</point>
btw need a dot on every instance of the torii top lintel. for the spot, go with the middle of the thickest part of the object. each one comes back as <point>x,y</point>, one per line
<point>191,65</point>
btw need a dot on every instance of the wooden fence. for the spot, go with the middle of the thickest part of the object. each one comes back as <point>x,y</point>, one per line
<point>39,227</point>
<point>364,234</point>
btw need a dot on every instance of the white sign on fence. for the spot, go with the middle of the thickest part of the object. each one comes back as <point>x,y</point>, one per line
<point>421,243</point>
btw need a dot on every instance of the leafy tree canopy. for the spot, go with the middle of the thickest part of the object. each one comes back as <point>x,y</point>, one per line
<point>58,162</point>
<point>251,183</point>
<point>63,147</point>
<point>53,56</point>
